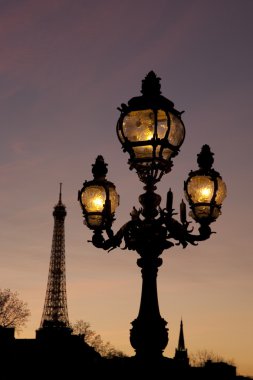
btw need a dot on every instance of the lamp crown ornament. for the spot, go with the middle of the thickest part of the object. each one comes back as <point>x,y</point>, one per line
<point>151,131</point>
<point>205,158</point>
<point>151,85</point>
<point>99,169</point>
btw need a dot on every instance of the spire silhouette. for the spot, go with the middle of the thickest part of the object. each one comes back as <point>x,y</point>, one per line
<point>181,352</point>
<point>181,345</point>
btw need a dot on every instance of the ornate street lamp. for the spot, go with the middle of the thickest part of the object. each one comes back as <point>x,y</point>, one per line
<point>98,198</point>
<point>205,190</point>
<point>150,129</point>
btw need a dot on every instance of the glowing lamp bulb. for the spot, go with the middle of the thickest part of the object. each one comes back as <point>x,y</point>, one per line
<point>98,203</point>
<point>205,193</point>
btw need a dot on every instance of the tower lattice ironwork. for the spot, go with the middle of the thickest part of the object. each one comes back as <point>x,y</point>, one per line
<point>55,312</point>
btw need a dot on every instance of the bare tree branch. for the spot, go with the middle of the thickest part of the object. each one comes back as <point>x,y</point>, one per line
<point>90,337</point>
<point>201,357</point>
<point>13,311</point>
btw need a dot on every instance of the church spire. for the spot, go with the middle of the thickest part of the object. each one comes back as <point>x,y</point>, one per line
<point>181,351</point>
<point>181,345</point>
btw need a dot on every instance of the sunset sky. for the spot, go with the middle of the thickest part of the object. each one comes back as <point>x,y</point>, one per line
<point>65,67</point>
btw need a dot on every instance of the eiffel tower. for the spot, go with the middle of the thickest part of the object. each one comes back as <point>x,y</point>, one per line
<point>55,318</point>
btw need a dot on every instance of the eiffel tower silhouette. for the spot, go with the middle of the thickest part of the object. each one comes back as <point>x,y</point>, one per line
<point>55,313</point>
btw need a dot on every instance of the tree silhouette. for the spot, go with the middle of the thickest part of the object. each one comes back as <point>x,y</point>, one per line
<point>13,311</point>
<point>81,327</point>
<point>201,357</point>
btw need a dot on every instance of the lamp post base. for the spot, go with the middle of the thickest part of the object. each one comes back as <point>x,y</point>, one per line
<point>149,338</point>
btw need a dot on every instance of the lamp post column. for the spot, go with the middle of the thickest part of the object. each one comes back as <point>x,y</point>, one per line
<point>149,335</point>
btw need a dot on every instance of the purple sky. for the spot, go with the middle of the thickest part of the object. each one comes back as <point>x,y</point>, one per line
<point>65,67</point>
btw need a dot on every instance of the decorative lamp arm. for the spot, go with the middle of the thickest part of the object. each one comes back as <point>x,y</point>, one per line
<point>112,242</point>
<point>180,232</point>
